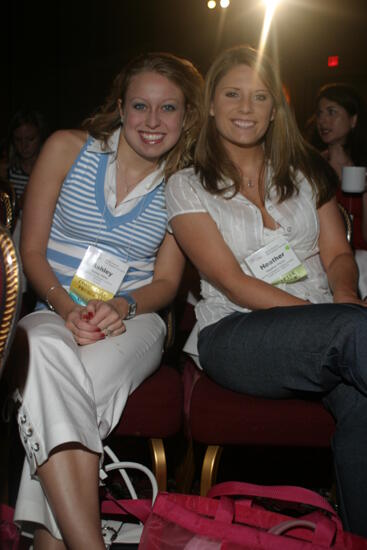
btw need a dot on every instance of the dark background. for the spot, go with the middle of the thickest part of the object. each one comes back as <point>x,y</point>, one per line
<point>61,57</point>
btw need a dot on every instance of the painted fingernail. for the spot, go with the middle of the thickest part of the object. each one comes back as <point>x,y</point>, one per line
<point>102,336</point>
<point>85,317</point>
<point>90,315</point>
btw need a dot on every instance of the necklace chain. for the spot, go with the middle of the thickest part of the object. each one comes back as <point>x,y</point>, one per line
<point>248,182</point>
<point>127,187</point>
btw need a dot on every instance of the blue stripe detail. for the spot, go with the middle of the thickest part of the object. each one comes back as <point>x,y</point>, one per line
<point>62,259</point>
<point>81,219</point>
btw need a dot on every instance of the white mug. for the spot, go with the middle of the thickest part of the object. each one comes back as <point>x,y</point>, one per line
<point>354,179</point>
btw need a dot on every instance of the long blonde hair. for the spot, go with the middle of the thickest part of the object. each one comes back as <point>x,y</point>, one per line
<point>182,73</point>
<point>284,145</point>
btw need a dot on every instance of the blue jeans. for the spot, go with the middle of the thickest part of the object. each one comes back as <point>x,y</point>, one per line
<point>303,351</point>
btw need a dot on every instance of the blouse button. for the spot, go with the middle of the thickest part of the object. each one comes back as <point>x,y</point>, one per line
<point>29,432</point>
<point>36,447</point>
<point>23,419</point>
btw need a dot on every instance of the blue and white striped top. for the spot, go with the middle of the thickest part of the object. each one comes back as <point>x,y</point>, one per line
<point>19,179</point>
<point>84,215</point>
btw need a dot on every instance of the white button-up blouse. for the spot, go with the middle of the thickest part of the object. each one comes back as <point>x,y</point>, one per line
<point>241,224</point>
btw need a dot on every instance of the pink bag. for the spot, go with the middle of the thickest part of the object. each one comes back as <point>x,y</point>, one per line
<point>234,517</point>
<point>9,533</point>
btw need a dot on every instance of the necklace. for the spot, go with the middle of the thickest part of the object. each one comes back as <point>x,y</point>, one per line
<point>248,182</point>
<point>128,187</point>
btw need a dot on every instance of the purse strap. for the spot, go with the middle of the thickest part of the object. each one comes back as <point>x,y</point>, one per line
<point>139,508</point>
<point>285,493</point>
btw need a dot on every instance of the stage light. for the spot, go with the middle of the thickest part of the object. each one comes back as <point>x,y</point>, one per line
<point>271,4</point>
<point>224,3</point>
<point>211,4</point>
<point>269,13</point>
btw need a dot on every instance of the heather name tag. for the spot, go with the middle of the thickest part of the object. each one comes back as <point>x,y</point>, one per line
<point>98,276</point>
<point>276,263</point>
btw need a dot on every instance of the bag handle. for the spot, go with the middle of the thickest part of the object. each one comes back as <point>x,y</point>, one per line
<point>324,530</point>
<point>286,493</point>
<point>139,508</point>
<point>121,466</point>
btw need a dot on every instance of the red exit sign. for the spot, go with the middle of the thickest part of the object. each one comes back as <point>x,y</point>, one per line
<point>333,61</point>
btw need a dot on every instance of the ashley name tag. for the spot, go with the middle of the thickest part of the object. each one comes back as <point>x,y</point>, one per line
<point>98,277</point>
<point>276,263</point>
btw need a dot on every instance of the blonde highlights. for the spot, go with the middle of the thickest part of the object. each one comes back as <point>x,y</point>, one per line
<point>184,75</point>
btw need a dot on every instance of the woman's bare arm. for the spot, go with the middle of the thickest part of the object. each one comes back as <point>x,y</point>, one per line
<point>337,256</point>
<point>162,290</point>
<point>54,162</point>
<point>201,240</point>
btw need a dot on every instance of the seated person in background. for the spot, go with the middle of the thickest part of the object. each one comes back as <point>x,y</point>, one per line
<point>258,217</point>
<point>27,132</point>
<point>95,205</point>
<point>339,130</point>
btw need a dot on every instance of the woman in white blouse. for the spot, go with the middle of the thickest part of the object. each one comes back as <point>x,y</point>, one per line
<point>258,218</point>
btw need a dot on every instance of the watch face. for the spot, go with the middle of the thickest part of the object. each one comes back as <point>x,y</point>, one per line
<point>132,311</point>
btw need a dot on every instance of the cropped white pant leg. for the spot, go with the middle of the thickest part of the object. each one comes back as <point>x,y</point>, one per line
<point>361,259</point>
<point>76,394</point>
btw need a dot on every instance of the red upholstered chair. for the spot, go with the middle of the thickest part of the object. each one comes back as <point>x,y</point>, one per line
<point>155,411</point>
<point>217,417</point>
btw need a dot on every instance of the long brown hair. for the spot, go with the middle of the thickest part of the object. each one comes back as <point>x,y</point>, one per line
<point>348,98</point>
<point>182,73</point>
<point>284,145</point>
<point>21,117</point>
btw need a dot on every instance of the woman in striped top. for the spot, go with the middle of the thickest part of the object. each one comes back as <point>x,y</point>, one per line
<point>96,202</point>
<point>280,314</point>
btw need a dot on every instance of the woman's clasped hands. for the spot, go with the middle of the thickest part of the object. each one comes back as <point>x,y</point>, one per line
<point>94,322</point>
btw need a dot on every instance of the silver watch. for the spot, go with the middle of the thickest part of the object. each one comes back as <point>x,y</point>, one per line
<point>132,306</point>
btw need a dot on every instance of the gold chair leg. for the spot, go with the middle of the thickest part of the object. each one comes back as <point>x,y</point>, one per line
<point>159,462</point>
<point>210,468</point>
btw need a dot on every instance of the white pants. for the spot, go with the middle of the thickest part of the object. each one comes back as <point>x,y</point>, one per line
<point>361,259</point>
<point>76,394</point>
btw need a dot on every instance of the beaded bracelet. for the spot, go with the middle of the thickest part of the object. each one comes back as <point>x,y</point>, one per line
<point>53,287</point>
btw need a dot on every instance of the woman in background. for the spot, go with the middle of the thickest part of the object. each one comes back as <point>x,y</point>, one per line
<point>339,131</point>
<point>27,132</point>
<point>273,257</point>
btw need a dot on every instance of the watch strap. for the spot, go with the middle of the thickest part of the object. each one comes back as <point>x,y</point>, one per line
<point>132,305</point>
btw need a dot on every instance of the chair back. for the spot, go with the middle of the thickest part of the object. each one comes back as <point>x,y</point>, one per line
<point>10,293</point>
<point>347,222</point>
<point>8,205</point>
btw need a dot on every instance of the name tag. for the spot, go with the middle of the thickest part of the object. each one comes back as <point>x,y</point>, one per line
<point>98,276</point>
<point>276,263</point>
